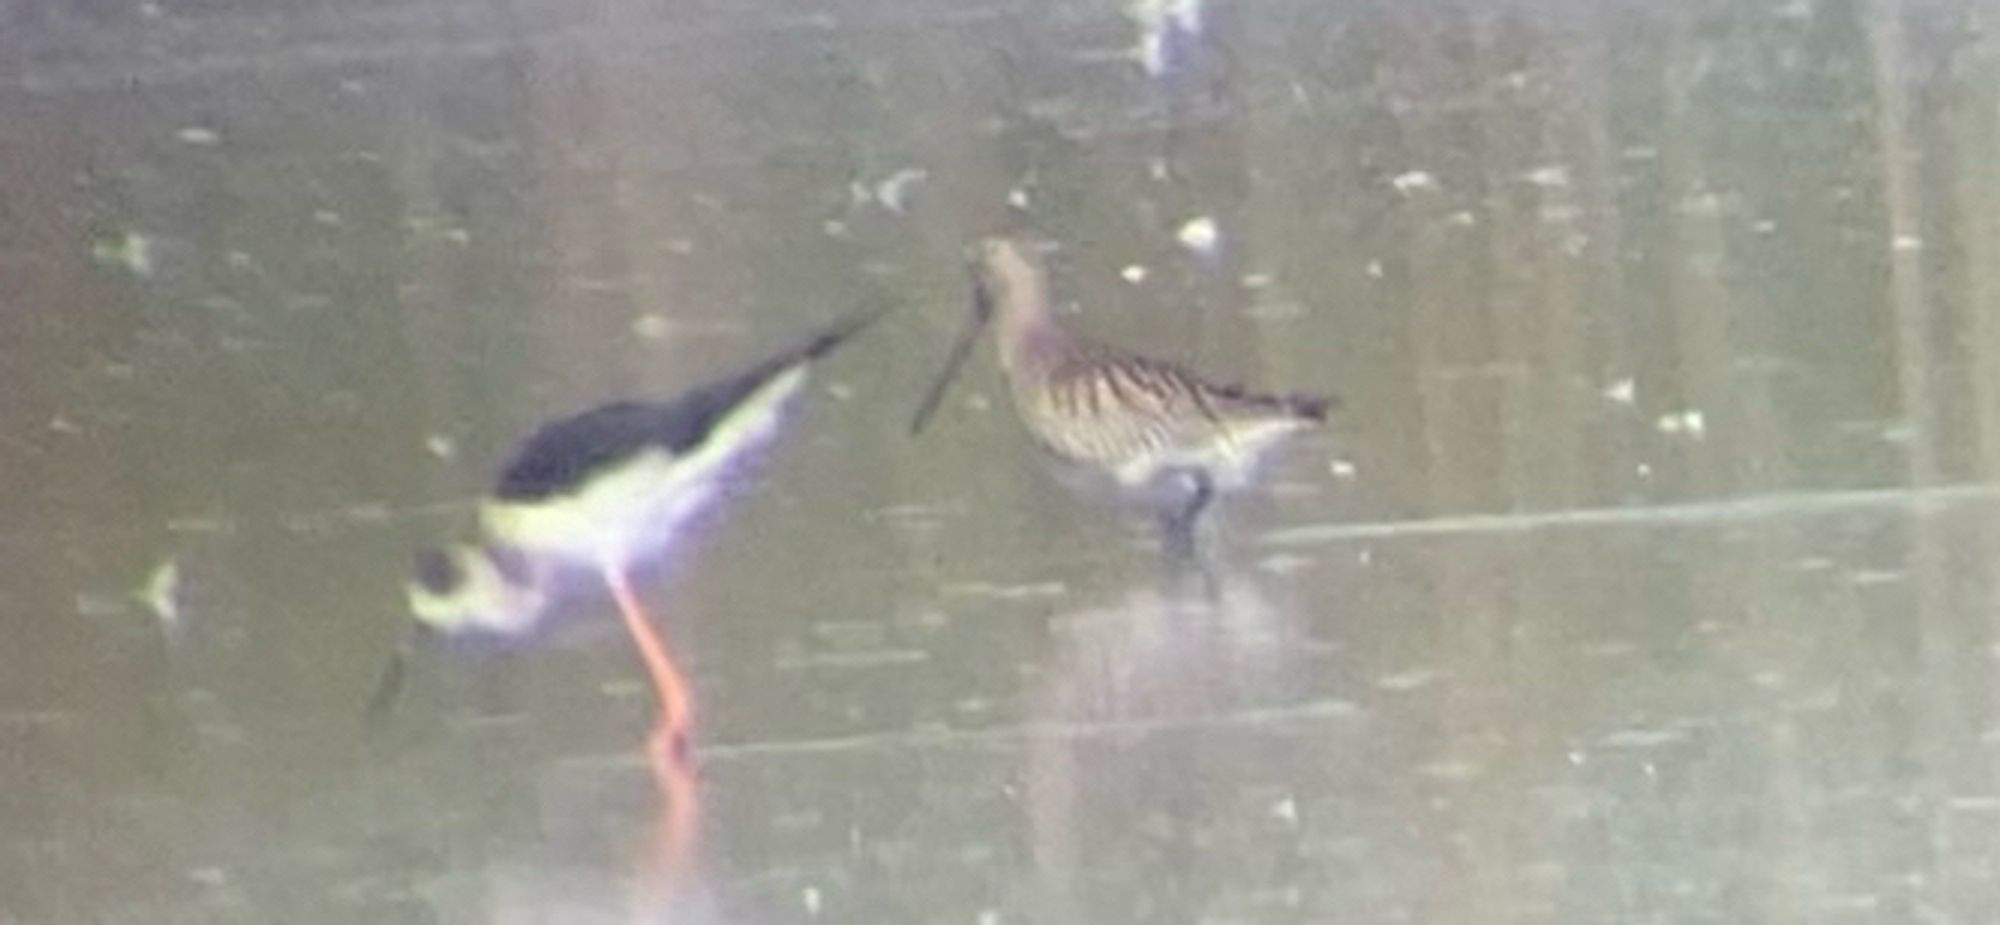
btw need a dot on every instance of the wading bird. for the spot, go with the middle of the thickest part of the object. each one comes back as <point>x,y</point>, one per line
<point>1149,430</point>
<point>604,491</point>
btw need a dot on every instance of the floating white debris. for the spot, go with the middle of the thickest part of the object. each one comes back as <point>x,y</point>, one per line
<point>1462,218</point>
<point>810,899</point>
<point>1283,564</point>
<point>1412,181</point>
<point>1134,274</point>
<point>1408,680</point>
<point>198,136</point>
<point>652,326</point>
<point>1624,391</point>
<point>1690,422</point>
<point>1553,175</point>
<point>1907,242</point>
<point>327,217</point>
<point>894,192</point>
<point>161,592</point>
<point>1643,738</point>
<point>1199,235</point>
<point>1341,468</point>
<point>1449,769</point>
<point>1286,811</point>
<point>1007,592</point>
<point>840,391</point>
<point>131,250</point>
<point>1018,198</point>
<point>1765,226</point>
<point>1375,269</point>
<point>1864,577</point>
<point>833,228</point>
<point>440,446</point>
<point>1256,281</point>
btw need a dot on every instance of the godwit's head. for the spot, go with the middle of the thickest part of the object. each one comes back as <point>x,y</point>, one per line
<point>1007,277</point>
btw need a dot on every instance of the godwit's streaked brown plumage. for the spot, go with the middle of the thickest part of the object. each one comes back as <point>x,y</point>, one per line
<point>1156,429</point>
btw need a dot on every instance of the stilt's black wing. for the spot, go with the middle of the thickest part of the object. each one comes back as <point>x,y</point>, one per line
<point>565,454</point>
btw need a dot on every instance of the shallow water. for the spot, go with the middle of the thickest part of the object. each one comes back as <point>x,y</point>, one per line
<point>1645,577</point>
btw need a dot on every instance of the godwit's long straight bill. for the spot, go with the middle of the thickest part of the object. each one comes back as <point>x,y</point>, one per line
<point>980,312</point>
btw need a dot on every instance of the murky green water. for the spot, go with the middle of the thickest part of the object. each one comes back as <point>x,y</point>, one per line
<point>1646,578</point>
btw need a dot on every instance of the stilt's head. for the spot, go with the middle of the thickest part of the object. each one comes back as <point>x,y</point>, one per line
<point>474,589</point>
<point>461,591</point>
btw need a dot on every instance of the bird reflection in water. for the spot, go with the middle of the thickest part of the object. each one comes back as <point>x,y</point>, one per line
<point>1128,677</point>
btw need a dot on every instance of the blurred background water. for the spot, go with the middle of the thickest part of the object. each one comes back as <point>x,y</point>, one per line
<point>1647,576</point>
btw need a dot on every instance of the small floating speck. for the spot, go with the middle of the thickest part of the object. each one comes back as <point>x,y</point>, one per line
<point>840,391</point>
<point>161,592</point>
<point>652,326</point>
<point>1375,269</point>
<point>1283,564</point>
<point>1866,577</point>
<point>1691,423</point>
<point>198,136</point>
<point>1286,811</point>
<point>1409,680</point>
<point>1907,242</point>
<point>810,899</point>
<point>131,250</point>
<point>1624,391</point>
<point>1008,592</point>
<point>440,446</point>
<point>1341,468</point>
<point>1199,235</point>
<point>1642,738</point>
<point>1765,226</point>
<point>1553,175</point>
<point>1976,804</point>
<point>1413,181</point>
<point>457,236</point>
<point>1449,770</point>
<point>327,217</point>
<point>1018,198</point>
<point>1133,273</point>
<point>1462,218</point>
<point>833,228</point>
<point>894,192</point>
<point>1256,280</point>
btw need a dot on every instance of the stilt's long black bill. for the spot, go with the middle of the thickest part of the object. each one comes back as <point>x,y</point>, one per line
<point>960,349</point>
<point>391,685</point>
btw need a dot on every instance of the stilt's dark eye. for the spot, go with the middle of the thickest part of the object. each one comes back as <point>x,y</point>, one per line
<point>436,571</point>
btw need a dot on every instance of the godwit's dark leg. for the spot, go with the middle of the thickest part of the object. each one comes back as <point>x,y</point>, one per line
<point>668,747</point>
<point>1177,526</point>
